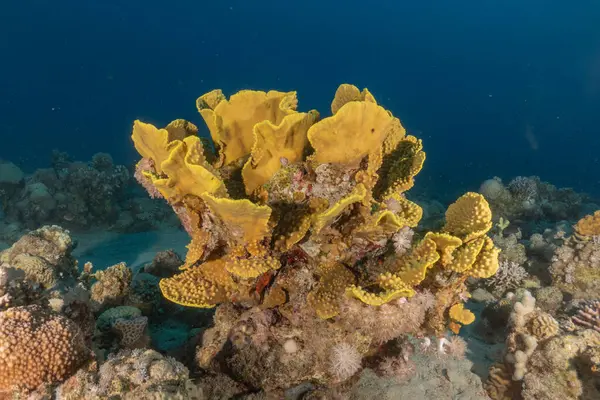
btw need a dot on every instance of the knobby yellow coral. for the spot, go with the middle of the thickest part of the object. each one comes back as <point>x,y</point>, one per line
<point>324,195</point>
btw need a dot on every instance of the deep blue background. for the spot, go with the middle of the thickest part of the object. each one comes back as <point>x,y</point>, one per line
<point>500,88</point>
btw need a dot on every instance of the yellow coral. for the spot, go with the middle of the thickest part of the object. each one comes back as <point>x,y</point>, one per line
<point>487,263</point>
<point>413,266</point>
<point>326,217</point>
<point>247,268</point>
<point>396,133</point>
<point>274,296</point>
<point>445,245</point>
<point>401,165</point>
<point>465,256</point>
<point>382,222</point>
<point>346,93</point>
<point>469,217</point>
<point>459,314</point>
<point>188,172</point>
<point>411,213</point>
<point>360,126</point>
<point>589,226</point>
<point>179,129</point>
<point>152,143</point>
<point>326,298</point>
<point>272,143</point>
<point>293,226</point>
<point>377,299</point>
<point>202,286</point>
<point>231,122</point>
<point>196,248</point>
<point>245,221</point>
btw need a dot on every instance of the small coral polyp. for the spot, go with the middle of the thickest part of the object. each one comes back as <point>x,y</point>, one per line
<point>288,191</point>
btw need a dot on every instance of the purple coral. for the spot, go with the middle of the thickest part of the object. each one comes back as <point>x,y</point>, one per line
<point>588,316</point>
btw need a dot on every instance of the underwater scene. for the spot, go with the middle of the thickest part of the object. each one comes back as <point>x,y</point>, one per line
<point>326,200</point>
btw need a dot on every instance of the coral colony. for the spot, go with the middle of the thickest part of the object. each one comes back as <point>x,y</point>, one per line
<point>310,255</point>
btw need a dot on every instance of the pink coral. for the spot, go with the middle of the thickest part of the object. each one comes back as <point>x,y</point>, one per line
<point>588,316</point>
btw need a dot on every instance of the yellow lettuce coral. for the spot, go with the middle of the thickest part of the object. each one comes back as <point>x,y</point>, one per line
<point>272,143</point>
<point>377,299</point>
<point>347,93</point>
<point>264,206</point>
<point>231,122</point>
<point>445,245</point>
<point>459,315</point>
<point>188,172</point>
<point>465,256</point>
<point>152,143</point>
<point>247,268</point>
<point>328,216</point>
<point>487,263</point>
<point>401,165</point>
<point>413,266</point>
<point>360,126</point>
<point>245,221</point>
<point>411,213</point>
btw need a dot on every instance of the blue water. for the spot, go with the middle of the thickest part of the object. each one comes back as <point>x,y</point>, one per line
<point>495,88</point>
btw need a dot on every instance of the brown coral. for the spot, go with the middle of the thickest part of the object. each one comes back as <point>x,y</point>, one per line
<point>111,287</point>
<point>589,225</point>
<point>37,347</point>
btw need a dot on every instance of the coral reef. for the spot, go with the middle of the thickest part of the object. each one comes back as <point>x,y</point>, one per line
<point>137,374</point>
<point>543,361</point>
<point>529,198</point>
<point>312,272</point>
<point>76,194</point>
<point>294,236</point>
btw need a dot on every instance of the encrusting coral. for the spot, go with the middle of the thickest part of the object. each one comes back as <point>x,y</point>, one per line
<point>288,219</point>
